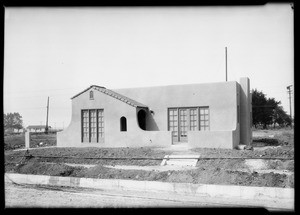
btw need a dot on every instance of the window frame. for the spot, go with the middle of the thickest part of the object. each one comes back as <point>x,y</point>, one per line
<point>83,126</point>
<point>205,120</point>
<point>123,128</point>
<point>195,117</point>
<point>91,94</point>
<point>175,119</point>
<point>198,114</point>
<point>100,129</point>
<point>89,138</point>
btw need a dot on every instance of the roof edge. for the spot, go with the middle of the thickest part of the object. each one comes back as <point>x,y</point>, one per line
<point>114,95</point>
<point>178,85</point>
<point>87,90</point>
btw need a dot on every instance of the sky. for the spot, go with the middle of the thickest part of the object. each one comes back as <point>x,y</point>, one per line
<point>58,52</point>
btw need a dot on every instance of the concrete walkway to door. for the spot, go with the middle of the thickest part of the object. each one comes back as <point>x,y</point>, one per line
<point>178,148</point>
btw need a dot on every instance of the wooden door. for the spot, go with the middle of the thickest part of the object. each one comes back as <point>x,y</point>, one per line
<point>173,123</point>
<point>183,124</point>
<point>93,126</point>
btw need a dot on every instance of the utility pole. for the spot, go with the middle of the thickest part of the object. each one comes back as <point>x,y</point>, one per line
<point>226,62</point>
<point>289,92</point>
<point>46,129</point>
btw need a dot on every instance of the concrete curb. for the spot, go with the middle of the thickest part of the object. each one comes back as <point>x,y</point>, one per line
<point>205,190</point>
<point>42,147</point>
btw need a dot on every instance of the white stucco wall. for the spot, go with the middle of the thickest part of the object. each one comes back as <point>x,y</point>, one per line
<point>113,110</point>
<point>222,99</point>
<point>211,139</point>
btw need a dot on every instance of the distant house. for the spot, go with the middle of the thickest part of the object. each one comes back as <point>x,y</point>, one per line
<point>13,130</point>
<point>18,130</point>
<point>9,130</point>
<point>208,115</point>
<point>37,128</point>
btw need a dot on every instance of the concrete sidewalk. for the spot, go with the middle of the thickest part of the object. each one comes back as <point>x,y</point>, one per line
<point>272,197</point>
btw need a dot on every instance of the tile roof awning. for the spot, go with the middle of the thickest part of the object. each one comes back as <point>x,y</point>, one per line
<point>115,95</point>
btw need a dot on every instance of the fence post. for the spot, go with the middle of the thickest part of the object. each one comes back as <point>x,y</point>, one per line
<point>27,139</point>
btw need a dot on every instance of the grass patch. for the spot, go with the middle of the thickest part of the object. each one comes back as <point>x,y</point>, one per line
<point>12,142</point>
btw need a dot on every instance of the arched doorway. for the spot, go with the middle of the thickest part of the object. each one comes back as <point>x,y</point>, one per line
<point>142,119</point>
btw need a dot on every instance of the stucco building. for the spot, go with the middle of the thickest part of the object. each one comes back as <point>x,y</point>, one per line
<point>210,115</point>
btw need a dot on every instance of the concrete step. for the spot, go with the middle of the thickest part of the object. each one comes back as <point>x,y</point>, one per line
<point>180,160</point>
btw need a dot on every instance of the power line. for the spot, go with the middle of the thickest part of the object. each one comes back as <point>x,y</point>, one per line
<point>38,96</point>
<point>42,90</point>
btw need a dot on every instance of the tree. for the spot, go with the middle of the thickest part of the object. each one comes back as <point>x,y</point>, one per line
<point>281,117</point>
<point>270,116</point>
<point>259,101</point>
<point>266,111</point>
<point>13,120</point>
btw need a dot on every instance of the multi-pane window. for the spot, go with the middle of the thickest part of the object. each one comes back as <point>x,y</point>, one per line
<point>85,125</point>
<point>100,124</point>
<point>193,119</point>
<point>182,120</point>
<point>92,125</point>
<point>204,118</point>
<point>173,121</point>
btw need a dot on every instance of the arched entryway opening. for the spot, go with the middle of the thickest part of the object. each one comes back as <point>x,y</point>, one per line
<point>123,124</point>
<point>142,119</point>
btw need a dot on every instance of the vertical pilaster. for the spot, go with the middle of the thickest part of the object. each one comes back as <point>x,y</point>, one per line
<point>245,112</point>
<point>27,139</point>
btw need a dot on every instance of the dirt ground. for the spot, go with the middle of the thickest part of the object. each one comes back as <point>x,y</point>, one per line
<point>208,171</point>
<point>276,137</point>
<point>42,140</point>
<point>17,141</point>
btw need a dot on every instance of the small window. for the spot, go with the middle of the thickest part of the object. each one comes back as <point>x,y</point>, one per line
<point>91,95</point>
<point>123,124</point>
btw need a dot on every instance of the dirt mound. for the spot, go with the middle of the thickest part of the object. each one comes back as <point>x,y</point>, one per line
<point>42,168</point>
<point>212,172</point>
<point>209,171</point>
<point>260,142</point>
<point>282,151</point>
<point>80,155</point>
<point>100,152</point>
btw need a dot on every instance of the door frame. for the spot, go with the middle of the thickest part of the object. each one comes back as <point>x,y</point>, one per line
<point>180,138</point>
<point>177,139</point>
